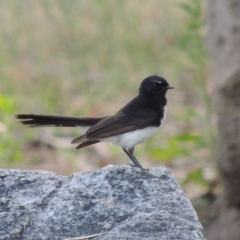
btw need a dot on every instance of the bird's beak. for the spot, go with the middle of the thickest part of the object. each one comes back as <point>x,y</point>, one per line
<point>166,88</point>
<point>169,87</point>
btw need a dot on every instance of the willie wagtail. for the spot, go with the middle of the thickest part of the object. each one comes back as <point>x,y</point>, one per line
<point>131,125</point>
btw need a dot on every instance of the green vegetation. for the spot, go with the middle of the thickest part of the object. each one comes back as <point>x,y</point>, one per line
<point>59,57</point>
<point>9,150</point>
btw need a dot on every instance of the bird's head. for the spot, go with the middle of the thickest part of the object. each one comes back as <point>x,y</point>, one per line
<point>154,86</point>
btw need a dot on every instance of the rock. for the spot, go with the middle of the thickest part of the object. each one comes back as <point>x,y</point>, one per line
<point>121,202</point>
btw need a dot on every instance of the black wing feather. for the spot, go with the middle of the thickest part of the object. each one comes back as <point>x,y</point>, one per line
<point>121,123</point>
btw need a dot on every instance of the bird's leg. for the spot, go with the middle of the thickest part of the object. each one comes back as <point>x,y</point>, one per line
<point>132,157</point>
<point>131,150</point>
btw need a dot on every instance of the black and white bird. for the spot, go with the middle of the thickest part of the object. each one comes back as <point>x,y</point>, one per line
<point>131,125</point>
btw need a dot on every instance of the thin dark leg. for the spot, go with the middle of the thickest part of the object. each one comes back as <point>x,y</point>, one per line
<point>132,157</point>
<point>131,150</point>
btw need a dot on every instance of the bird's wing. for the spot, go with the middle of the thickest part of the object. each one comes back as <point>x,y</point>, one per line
<point>118,124</point>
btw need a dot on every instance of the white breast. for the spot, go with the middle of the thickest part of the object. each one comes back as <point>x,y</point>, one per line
<point>131,139</point>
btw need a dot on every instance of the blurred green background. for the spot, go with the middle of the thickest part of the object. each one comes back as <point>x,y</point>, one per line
<point>88,58</point>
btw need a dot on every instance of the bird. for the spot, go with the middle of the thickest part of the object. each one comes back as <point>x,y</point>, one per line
<point>131,125</point>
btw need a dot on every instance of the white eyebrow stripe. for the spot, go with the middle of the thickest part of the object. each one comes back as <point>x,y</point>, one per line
<point>154,80</point>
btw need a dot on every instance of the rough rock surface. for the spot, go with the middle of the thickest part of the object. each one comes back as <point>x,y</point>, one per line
<point>121,202</point>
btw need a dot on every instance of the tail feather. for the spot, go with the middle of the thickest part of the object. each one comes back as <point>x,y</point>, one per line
<point>33,120</point>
